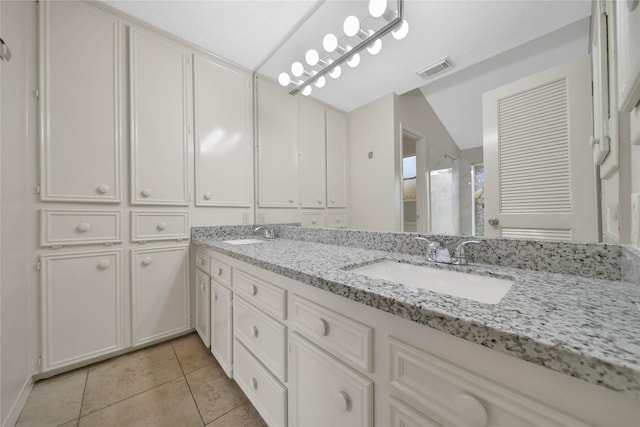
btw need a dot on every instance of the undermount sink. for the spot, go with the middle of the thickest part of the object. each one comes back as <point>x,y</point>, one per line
<point>488,290</point>
<point>244,241</point>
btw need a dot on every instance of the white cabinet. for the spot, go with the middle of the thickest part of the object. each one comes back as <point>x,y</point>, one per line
<point>159,292</point>
<point>203,308</point>
<point>277,147</point>
<point>223,135</point>
<point>81,306</point>
<point>221,326</point>
<point>325,391</point>
<point>159,97</point>
<point>312,155</point>
<point>336,159</point>
<point>80,103</point>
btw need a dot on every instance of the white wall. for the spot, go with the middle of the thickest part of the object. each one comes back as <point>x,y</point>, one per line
<point>17,154</point>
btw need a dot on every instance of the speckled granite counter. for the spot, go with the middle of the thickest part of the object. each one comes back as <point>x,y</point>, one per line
<point>584,327</point>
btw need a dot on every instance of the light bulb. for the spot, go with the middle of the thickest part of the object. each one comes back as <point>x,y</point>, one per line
<point>297,69</point>
<point>377,7</point>
<point>354,61</point>
<point>375,48</point>
<point>284,79</point>
<point>336,72</point>
<point>312,57</point>
<point>306,91</point>
<point>351,26</point>
<point>320,82</point>
<point>330,42</point>
<point>401,32</point>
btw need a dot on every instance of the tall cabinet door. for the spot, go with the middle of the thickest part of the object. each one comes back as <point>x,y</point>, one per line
<point>277,147</point>
<point>221,326</point>
<point>81,306</point>
<point>80,101</point>
<point>312,155</point>
<point>159,86</point>
<point>223,129</point>
<point>336,159</point>
<point>203,312</point>
<point>159,292</point>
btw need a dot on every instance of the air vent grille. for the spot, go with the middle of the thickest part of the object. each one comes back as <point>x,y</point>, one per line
<point>436,68</point>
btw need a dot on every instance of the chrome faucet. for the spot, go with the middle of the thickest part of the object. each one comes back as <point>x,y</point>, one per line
<point>432,248</point>
<point>459,256</point>
<point>269,233</point>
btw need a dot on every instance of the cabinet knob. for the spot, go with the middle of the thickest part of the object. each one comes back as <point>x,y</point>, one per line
<point>343,401</point>
<point>83,227</point>
<point>254,331</point>
<point>104,264</point>
<point>319,201</point>
<point>254,383</point>
<point>207,196</point>
<point>494,221</point>
<point>290,200</point>
<point>161,225</point>
<point>146,192</point>
<point>320,326</point>
<point>103,188</point>
<point>338,220</point>
<point>146,260</point>
<point>253,290</point>
<point>215,296</point>
<point>313,221</point>
<point>202,286</point>
<point>471,410</point>
<point>333,201</point>
<point>219,271</point>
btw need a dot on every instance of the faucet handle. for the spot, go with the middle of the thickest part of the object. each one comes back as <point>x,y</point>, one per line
<point>459,254</point>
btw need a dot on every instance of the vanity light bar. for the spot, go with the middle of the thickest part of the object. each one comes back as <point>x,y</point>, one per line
<point>367,39</point>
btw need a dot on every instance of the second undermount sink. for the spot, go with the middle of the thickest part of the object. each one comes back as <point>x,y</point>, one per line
<point>488,290</point>
<point>244,241</point>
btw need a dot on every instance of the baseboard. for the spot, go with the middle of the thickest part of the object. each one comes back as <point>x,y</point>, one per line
<point>16,408</point>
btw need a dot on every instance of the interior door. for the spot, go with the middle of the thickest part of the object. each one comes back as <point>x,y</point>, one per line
<point>539,171</point>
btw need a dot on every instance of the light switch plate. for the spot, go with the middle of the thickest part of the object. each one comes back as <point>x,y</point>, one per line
<point>635,219</point>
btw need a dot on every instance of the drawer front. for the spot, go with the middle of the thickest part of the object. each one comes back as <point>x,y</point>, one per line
<point>265,392</point>
<point>337,219</point>
<point>451,395</point>
<point>221,272</point>
<point>270,298</point>
<point>203,262</point>
<point>265,337</point>
<point>343,337</point>
<point>159,226</point>
<point>79,227</point>
<point>402,415</point>
<point>312,219</point>
<point>325,391</point>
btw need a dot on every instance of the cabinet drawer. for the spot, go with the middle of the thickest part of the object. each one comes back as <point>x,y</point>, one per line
<point>343,337</point>
<point>337,219</point>
<point>265,392</point>
<point>451,395</point>
<point>159,226</point>
<point>221,272</point>
<point>268,297</point>
<point>312,219</point>
<point>402,415</point>
<point>79,227</point>
<point>265,337</point>
<point>203,262</point>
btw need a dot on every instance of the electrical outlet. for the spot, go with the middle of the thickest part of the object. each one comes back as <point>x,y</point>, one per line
<point>245,217</point>
<point>261,218</point>
<point>635,219</point>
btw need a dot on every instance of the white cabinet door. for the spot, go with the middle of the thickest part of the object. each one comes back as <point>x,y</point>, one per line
<point>325,391</point>
<point>336,159</point>
<point>203,312</point>
<point>160,292</point>
<point>159,86</point>
<point>81,306</point>
<point>221,326</point>
<point>223,129</point>
<point>80,103</point>
<point>277,147</point>
<point>312,155</point>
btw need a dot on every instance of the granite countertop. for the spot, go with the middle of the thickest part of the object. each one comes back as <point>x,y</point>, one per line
<point>583,327</point>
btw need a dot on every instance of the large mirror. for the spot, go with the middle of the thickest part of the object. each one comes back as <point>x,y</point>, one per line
<point>449,187</point>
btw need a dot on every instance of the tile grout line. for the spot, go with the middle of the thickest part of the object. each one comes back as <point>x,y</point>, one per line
<point>188,385</point>
<point>84,392</point>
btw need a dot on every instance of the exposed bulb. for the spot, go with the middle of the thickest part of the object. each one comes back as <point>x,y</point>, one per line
<point>401,32</point>
<point>284,79</point>
<point>306,91</point>
<point>351,26</point>
<point>336,72</point>
<point>375,48</point>
<point>297,69</point>
<point>320,82</point>
<point>330,43</point>
<point>312,57</point>
<point>354,61</point>
<point>377,8</point>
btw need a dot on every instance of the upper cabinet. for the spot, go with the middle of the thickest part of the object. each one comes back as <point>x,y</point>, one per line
<point>277,147</point>
<point>223,135</point>
<point>80,103</point>
<point>159,99</point>
<point>336,159</point>
<point>312,155</point>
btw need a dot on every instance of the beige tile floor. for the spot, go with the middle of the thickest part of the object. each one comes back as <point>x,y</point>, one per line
<point>177,383</point>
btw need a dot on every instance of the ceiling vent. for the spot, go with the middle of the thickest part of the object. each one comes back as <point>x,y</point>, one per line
<point>435,68</point>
